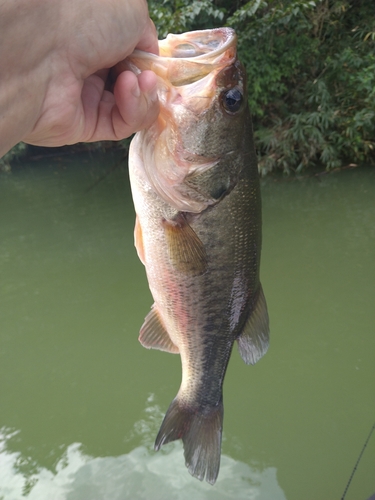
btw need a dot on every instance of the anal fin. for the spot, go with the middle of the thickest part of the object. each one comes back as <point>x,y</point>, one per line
<point>153,334</point>
<point>254,338</point>
<point>185,249</point>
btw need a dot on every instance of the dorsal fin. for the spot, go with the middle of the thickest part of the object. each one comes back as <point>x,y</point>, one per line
<point>153,334</point>
<point>254,338</point>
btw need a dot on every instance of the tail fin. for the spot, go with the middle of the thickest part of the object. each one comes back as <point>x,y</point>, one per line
<point>200,431</point>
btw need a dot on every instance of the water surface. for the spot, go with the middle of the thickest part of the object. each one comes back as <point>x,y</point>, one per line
<point>81,401</point>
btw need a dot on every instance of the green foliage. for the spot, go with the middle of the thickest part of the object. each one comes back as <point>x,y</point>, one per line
<point>311,74</point>
<point>181,15</point>
<point>311,81</point>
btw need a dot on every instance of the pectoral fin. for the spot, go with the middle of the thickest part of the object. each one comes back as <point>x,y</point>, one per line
<point>254,339</point>
<point>185,249</point>
<point>138,240</point>
<point>153,335</point>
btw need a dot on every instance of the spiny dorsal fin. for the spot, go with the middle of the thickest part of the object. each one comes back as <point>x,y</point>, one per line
<point>153,335</point>
<point>185,249</point>
<point>254,339</point>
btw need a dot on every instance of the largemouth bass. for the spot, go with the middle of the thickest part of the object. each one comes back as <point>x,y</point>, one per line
<point>195,186</point>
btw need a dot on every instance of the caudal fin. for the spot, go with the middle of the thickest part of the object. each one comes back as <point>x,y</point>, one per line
<point>200,431</point>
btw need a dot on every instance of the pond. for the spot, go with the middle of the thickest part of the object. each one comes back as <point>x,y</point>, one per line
<point>81,400</point>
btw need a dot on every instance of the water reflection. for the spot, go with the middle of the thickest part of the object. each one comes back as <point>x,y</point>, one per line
<point>140,474</point>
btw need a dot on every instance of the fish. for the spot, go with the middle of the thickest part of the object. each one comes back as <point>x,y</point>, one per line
<point>196,191</point>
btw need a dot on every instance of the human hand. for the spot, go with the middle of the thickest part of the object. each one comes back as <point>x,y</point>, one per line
<point>57,60</point>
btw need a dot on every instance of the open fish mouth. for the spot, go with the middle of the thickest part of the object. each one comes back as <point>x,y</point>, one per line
<point>198,44</point>
<point>188,57</point>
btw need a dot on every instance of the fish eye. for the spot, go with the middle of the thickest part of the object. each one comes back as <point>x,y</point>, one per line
<point>232,100</point>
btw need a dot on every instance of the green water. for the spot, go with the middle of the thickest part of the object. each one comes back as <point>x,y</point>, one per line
<point>81,401</point>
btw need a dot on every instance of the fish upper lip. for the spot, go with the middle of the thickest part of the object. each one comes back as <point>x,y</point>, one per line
<point>193,68</point>
<point>228,36</point>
